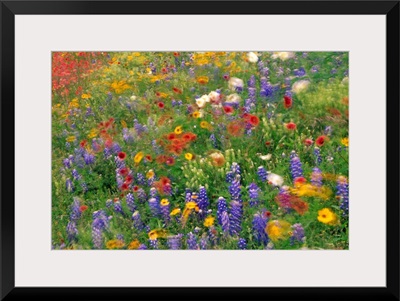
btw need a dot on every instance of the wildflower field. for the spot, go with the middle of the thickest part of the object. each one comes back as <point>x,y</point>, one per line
<point>200,150</point>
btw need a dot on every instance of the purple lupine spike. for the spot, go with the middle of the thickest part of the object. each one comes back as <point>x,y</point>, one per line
<point>316,177</point>
<point>252,81</point>
<point>213,140</point>
<point>109,203</point>
<point>266,88</point>
<point>138,127</point>
<point>234,189</point>
<point>137,221</point>
<point>165,209</point>
<point>317,154</point>
<point>167,189</point>
<point>141,194</point>
<point>299,72</point>
<point>212,236</point>
<point>192,242</point>
<point>130,202</point>
<point>141,180</point>
<point>204,243</point>
<point>202,201</point>
<point>254,191</point>
<point>229,177</point>
<point>142,247</point>
<point>242,245</point>
<point>236,218</point>
<point>69,185</point>
<point>127,136</point>
<point>175,242</point>
<point>95,145</point>
<point>154,244</point>
<point>157,149</point>
<point>120,237</point>
<point>259,223</point>
<point>221,207</point>
<point>107,153</point>
<point>119,163</point>
<point>295,166</point>
<point>225,223</point>
<point>154,207</point>
<point>67,163</point>
<point>76,175</point>
<point>343,194</point>
<point>84,187</point>
<point>297,234</point>
<point>99,224</point>
<point>188,196</point>
<point>72,231</point>
<point>97,237</point>
<point>118,208</point>
<point>116,148</point>
<point>75,210</point>
<point>262,173</point>
<point>88,158</point>
<point>235,168</point>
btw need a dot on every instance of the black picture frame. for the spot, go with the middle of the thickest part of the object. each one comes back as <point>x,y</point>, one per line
<point>11,8</point>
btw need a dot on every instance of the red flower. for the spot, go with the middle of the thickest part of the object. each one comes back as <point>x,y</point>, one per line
<point>228,110</point>
<point>268,143</point>
<point>135,188</point>
<point>226,77</point>
<point>128,179</point>
<point>252,119</point>
<point>121,155</point>
<point>170,161</point>
<point>267,214</point>
<point>320,140</point>
<point>235,128</point>
<point>124,186</point>
<point>176,54</point>
<point>83,143</point>
<point>148,158</point>
<point>308,142</point>
<point>161,105</point>
<point>300,180</point>
<point>189,137</point>
<point>291,126</point>
<point>83,208</point>
<point>176,90</point>
<point>287,102</point>
<point>171,136</point>
<point>123,171</point>
<point>161,159</point>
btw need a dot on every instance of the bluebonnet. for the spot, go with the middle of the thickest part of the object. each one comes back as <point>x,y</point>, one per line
<point>296,168</point>
<point>154,206</point>
<point>127,136</point>
<point>89,158</point>
<point>137,221</point>
<point>192,242</point>
<point>69,185</point>
<point>142,247</point>
<point>235,218</point>
<point>202,201</point>
<point>107,153</point>
<point>164,210</point>
<point>99,224</point>
<point>130,202</point>
<point>141,180</point>
<point>253,194</point>
<point>317,154</point>
<point>204,243</point>
<point>259,223</point>
<point>234,189</point>
<point>316,177</point>
<point>225,222</point>
<point>229,177</point>
<point>266,89</point>
<point>118,208</point>
<point>343,194</point>
<point>221,208</point>
<point>72,231</point>
<point>84,187</point>
<point>141,194</point>
<point>116,148</point>
<point>299,72</point>
<point>297,234</point>
<point>154,244</point>
<point>262,173</point>
<point>76,175</point>
<point>242,245</point>
<point>175,242</point>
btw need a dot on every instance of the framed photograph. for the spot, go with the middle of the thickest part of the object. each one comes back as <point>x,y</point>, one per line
<point>170,149</point>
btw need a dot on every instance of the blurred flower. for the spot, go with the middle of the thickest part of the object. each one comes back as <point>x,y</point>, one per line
<point>287,102</point>
<point>188,156</point>
<point>291,126</point>
<point>275,179</point>
<point>252,57</point>
<point>217,159</point>
<point>134,245</point>
<point>345,141</point>
<point>327,216</point>
<point>138,157</point>
<point>320,141</point>
<point>178,130</point>
<point>201,102</point>
<point>235,84</point>
<point>209,221</point>
<point>197,114</point>
<point>205,125</point>
<point>278,230</point>
<point>115,244</point>
<point>202,80</point>
<point>300,86</point>
<point>175,211</point>
<point>233,99</point>
<point>283,55</point>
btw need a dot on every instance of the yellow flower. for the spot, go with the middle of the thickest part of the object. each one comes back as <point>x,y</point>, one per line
<point>86,96</point>
<point>71,139</point>
<point>196,114</point>
<point>123,123</point>
<point>164,202</point>
<point>278,230</point>
<point>120,86</point>
<point>139,156</point>
<point>150,174</point>
<point>162,95</point>
<point>136,54</point>
<point>129,57</point>
<point>191,205</point>
<point>205,125</point>
<point>202,80</point>
<point>178,130</point>
<point>157,233</point>
<point>115,244</point>
<point>188,156</point>
<point>327,216</point>
<point>74,103</point>
<point>92,134</point>
<point>175,212</point>
<point>310,190</point>
<point>345,141</point>
<point>209,221</point>
<point>134,245</point>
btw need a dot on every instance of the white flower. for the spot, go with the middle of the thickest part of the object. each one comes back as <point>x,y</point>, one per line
<point>300,85</point>
<point>252,57</point>
<point>345,81</point>
<point>133,97</point>
<point>266,157</point>
<point>233,98</point>
<point>214,96</point>
<point>275,179</point>
<point>234,83</point>
<point>283,55</point>
<point>201,102</point>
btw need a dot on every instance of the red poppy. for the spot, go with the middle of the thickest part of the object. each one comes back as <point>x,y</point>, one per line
<point>164,181</point>
<point>83,143</point>
<point>300,180</point>
<point>170,161</point>
<point>161,159</point>
<point>164,70</point>
<point>161,105</point>
<point>176,90</point>
<point>252,119</point>
<point>189,137</point>
<point>177,142</point>
<point>291,126</point>
<point>121,155</point>
<point>171,136</point>
<point>176,53</point>
<point>287,102</point>
<point>124,186</point>
<point>320,140</point>
<point>267,213</point>
<point>149,158</point>
<point>83,208</point>
<point>107,124</point>
<point>128,179</point>
<point>268,143</point>
<point>123,171</point>
<point>308,142</point>
<point>135,188</point>
<point>228,110</point>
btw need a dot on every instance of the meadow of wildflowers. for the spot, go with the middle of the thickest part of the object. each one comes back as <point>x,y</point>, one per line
<point>200,150</point>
